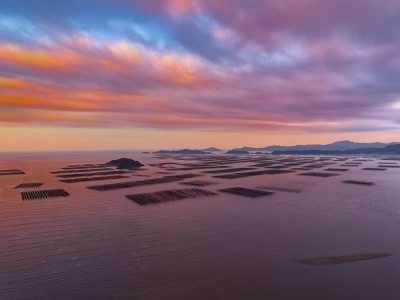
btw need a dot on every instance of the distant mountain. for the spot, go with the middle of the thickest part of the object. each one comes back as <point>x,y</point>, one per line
<point>237,151</point>
<point>336,146</point>
<point>389,149</point>
<point>252,149</point>
<point>182,151</point>
<point>210,149</point>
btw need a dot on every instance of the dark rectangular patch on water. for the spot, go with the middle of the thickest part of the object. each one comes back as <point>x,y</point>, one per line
<point>253,173</point>
<point>318,174</point>
<point>279,189</point>
<point>374,169</point>
<point>85,179</point>
<point>11,172</point>
<point>195,167</point>
<point>336,169</point>
<point>199,182</point>
<point>278,167</point>
<point>389,166</point>
<point>266,164</point>
<point>228,170</point>
<point>81,171</point>
<point>246,192</point>
<point>165,173</point>
<point>316,166</point>
<point>28,185</point>
<point>169,195</point>
<point>358,182</point>
<point>41,194</point>
<point>130,184</point>
<point>82,167</point>
<point>92,174</point>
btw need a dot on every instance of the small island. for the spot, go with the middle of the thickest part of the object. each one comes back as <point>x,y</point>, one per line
<point>125,163</point>
<point>183,151</point>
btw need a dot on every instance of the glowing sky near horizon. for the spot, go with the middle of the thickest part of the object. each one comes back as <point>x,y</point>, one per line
<point>148,74</point>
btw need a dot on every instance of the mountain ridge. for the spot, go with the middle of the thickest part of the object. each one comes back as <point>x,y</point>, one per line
<point>335,146</point>
<point>389,149</point>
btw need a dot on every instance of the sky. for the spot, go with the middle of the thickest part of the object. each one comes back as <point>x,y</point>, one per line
<point>152,74</point>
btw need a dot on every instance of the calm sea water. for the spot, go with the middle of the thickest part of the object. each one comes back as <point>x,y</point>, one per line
<point>101,245</point>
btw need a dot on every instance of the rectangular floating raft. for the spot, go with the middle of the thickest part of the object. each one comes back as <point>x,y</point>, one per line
<point>85,179</point>
<point>358,182</point>
<point>169,195</point>
<point>279,167</point>
<point>389,166</point>
<point>41,194</point>
<point>279,189</point>
<point>81,171</point>
<point>82,167</point>
<point>195,168</point>
<point>199,182</point>
<point>11,172</point>
<point>28,185</point>
<point>267,164</point>
<point>228,170</point>
<point>92,174</point>
<point>251,193</point>
<point>253,173</point>
<point>130,184</point>
<point>318,174</point>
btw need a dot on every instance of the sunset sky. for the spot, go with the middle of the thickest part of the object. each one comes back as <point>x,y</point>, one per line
<point>151,74</point>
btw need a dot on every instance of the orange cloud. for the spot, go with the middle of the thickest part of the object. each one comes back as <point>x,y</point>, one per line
<point>40,117</point>
<point>8,82</point>
<point>60,59</point>
<point>120,60</point>
<point>48,96</point>
<point>116,57</point>
<point>40,102</point>
<point>179,71</point>
<point>124,50</point>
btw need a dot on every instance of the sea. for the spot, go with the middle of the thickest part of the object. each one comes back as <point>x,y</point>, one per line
<point>97,243</point>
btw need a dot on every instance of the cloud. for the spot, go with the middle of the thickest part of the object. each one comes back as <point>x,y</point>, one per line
<point>290,66</point>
